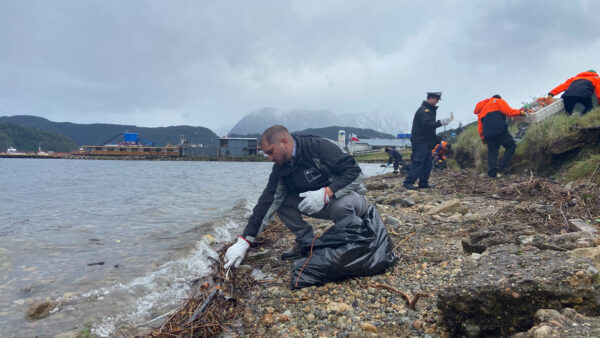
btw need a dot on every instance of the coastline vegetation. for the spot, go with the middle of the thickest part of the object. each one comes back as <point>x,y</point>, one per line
<point>563,147</point>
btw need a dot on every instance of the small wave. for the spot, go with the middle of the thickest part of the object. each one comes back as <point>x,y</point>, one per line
<point>147,297</point>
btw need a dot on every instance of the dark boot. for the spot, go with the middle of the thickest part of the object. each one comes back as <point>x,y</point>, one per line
<point>410,186</point>
<point>293,253</point>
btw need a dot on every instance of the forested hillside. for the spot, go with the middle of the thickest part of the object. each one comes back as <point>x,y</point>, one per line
<point>29,139</point>
<point>98,133</point>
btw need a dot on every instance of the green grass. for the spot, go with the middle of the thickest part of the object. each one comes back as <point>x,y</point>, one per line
<point>584,169</point>
<point>534,151</point>
<point>381,156</point>
<point>469,151</point>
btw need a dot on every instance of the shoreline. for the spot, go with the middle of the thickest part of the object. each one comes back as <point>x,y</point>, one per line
<point>429,228</point>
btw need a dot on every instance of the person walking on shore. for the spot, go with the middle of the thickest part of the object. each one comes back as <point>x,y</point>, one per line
<point>493,130</point>
<point>311,176</point>
<point>423,139</point>
<point>579,89</point>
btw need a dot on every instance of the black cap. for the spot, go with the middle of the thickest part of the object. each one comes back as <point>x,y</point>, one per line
<point>437,95</point>
<point>497,96</point>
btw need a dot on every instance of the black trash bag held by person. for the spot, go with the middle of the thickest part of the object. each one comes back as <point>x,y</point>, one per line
<point>353,247</point>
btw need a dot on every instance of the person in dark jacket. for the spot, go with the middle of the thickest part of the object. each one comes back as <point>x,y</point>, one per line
<point>395,158</point>
<point>579,89</point>
<point>493,130</point>
<point>311,176</point>
<point>423,139</point>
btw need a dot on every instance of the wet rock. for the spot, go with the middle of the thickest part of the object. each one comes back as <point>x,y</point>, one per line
<point>244,268</point>
<point>41,310</point>
<point>257,256</point>
<point>503,289</point>
<point>566,323</point>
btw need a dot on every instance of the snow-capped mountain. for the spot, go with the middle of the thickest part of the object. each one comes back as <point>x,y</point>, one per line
<point>300,119</point>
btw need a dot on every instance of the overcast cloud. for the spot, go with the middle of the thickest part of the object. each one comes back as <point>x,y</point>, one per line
<point>209,63</point>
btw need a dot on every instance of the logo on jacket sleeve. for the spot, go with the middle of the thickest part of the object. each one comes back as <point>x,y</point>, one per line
<point>311,174</point>
<point>426,110</point>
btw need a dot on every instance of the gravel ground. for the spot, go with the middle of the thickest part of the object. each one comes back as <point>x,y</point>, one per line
<point>426,227</point>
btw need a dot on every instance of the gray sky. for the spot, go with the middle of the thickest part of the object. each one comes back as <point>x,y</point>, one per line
<point>209,63</point>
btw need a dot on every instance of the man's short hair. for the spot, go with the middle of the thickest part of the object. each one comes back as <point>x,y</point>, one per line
<point>497,96</point>
<point>273,133</point>
<point>387,149</point>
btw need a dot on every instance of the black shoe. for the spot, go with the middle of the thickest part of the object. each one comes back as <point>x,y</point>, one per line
<point>293,253</point>
<point>426,186</point>
<point>410,186</point>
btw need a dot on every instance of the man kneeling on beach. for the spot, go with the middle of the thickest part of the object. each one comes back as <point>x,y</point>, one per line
<point>311,176</point>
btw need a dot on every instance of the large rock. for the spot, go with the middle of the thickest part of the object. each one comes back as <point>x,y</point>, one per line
<point>448,207</point>
<point>496,234</point>
<point>41,310</point>
<point>499,294</point>
<point>564,242</point>
<point>376,185</point>
<point>566,323</point>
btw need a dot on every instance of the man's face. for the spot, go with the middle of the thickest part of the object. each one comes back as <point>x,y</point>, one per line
<point>278,152</point>
<point>433,101</point>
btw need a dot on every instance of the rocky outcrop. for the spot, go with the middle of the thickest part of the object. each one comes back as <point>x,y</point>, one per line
<point>566,323</point>
<point>496,234</point>
<point>498,294</point>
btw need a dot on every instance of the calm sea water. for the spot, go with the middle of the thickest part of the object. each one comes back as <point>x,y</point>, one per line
<point>115,242</point>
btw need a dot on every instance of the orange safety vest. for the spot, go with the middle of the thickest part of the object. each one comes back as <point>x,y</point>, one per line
<point>489,106</point>
<point>590,76</point>
<point>440,148</point>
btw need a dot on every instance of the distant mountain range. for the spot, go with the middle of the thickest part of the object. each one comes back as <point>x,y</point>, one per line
<point>332,133</point>
<point>75,135</point>
<point>98,133</point>
<point>302,119</point>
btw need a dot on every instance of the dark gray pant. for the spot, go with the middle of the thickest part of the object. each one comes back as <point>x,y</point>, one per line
<point>350,204</point>
<point>493,144</point>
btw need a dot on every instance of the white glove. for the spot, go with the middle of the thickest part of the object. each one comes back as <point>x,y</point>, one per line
<point>314,201</point>
<point>445,122</point>
<point>388,165</point>
<point>235,254</point>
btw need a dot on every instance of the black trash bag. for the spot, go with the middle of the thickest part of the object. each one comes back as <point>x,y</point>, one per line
<point>353,247</point>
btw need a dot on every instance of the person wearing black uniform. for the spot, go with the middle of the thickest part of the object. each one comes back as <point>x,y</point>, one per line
<point>423,138</point>
<point>311,176</point>
<point>395,158</point>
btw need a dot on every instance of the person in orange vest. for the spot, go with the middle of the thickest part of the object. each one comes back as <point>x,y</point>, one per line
<point>440,154</point>
<point>579,89</point>
<point>493,130</point>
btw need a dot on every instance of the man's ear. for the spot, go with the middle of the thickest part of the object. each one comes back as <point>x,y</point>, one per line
<point>285,141</point>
